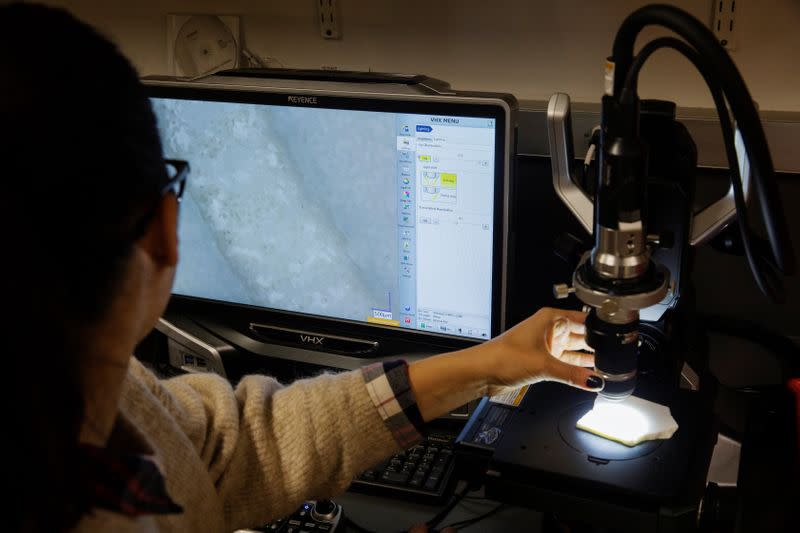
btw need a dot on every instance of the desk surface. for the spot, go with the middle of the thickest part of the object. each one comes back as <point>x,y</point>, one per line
<point>387,515</point>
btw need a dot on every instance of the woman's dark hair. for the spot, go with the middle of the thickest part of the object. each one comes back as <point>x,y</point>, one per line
<point>81,163</point>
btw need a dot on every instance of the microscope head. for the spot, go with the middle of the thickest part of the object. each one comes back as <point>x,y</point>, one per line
<point>612,327</point>
<point>618,277</point>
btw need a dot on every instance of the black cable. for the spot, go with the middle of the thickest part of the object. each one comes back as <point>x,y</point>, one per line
<point>441,515</point>
<point>431,523</point>
<point>472,521</point>
<point>763,272</point>
<point>741,103</point>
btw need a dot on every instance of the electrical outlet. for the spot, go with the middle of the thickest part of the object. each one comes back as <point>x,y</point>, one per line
<point>723,21</point>
<point>330,19</point>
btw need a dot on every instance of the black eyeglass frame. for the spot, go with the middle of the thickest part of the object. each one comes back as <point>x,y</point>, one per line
<point>177,183</point>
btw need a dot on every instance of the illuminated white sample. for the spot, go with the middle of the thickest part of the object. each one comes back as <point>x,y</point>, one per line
<point>630,421</point>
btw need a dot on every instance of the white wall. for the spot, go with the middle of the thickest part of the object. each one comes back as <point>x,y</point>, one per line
<point>530,48</point>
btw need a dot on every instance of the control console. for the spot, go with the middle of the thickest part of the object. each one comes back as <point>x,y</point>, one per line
<point>319,515</point>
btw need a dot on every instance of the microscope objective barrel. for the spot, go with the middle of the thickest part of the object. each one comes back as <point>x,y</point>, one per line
<point>616,350</point>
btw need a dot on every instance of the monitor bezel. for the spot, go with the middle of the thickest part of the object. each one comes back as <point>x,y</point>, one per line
<point>466,106</point>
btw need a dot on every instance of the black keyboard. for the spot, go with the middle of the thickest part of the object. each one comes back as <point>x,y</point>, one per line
<point>423,473</point>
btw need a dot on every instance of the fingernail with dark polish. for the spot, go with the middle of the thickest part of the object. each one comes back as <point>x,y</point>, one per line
<point>595,382</point>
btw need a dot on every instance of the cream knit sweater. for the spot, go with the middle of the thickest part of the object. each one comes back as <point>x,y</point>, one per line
<point>237,458</point>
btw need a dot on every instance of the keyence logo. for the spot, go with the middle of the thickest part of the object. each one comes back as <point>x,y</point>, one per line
<point>312,100</point>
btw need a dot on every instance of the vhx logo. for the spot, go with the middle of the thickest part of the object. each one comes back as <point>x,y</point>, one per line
<point>312,100</point>
<point>310,339</point>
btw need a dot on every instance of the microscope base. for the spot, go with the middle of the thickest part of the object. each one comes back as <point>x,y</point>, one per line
<point>543,461</point>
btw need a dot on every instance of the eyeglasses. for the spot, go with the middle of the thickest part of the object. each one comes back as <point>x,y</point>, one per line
<point>178,171</point>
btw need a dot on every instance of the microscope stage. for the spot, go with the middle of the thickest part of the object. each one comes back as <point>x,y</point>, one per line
<point>540,447</point>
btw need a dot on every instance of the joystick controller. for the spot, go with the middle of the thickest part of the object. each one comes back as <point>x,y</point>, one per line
<point>317,516</point>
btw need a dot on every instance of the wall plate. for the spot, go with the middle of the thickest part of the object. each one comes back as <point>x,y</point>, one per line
<point>723,21</point>
<point>176,21</point>
<point>330,19</point>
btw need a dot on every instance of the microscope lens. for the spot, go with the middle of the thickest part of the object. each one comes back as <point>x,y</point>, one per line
<point>618,390</point>
<point>615,356</point>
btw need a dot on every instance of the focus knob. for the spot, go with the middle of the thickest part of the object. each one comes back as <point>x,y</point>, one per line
<point>562,290</point>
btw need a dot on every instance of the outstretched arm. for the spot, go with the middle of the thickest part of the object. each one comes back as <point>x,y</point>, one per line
<point>267,447</point>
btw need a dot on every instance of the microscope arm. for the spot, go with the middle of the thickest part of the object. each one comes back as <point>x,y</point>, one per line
<point>706,224</point>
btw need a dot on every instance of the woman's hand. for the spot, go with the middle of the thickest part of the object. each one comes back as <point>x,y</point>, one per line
<point>546,346</point>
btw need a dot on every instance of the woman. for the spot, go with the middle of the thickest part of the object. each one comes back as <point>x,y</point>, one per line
<point>98,442</point>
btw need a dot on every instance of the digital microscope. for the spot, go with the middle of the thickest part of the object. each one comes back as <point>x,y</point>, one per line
<point>619,277</point>
<point>634,282</point>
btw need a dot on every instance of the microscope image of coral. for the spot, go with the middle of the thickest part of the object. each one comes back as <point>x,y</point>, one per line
<point>286,208</point>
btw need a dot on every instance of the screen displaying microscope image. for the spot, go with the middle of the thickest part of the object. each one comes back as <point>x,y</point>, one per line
<point>370,216</point>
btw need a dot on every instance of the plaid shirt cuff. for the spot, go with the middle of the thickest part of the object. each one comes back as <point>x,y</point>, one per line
<point>390,390</point>
<point>125,483</point>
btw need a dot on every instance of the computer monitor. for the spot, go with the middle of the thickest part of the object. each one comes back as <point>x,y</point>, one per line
<point>367,208</point>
